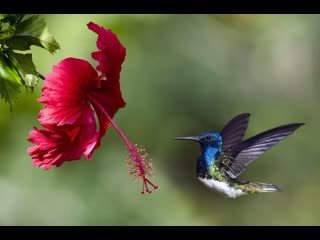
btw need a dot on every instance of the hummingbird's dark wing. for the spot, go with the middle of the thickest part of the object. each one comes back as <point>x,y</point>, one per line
<point>240,155</point>
<point>233,132</point>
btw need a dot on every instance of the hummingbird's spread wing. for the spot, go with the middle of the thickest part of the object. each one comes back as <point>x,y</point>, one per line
<point>240,155</point>
<point>233,132</point>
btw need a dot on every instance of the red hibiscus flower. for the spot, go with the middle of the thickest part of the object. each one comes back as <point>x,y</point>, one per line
<point>73,93</point>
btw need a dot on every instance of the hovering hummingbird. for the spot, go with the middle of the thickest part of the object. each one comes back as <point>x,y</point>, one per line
<point>224,156</point>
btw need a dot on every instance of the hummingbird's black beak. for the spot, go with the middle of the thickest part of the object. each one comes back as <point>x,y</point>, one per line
<point>194,138</point>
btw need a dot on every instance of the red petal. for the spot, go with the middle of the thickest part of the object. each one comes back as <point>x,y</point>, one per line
<point>112,52</point>
<point>54,146</point>
<point>65,91</point>
<point>110,58</point>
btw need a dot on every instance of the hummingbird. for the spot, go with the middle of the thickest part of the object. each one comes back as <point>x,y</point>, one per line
<point>225,155</point>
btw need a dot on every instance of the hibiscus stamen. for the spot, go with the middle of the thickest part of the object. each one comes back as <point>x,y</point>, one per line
<point>140,168</point>
<point>137,156</point>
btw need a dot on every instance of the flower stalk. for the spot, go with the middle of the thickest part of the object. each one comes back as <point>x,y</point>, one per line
<point>140,166</point>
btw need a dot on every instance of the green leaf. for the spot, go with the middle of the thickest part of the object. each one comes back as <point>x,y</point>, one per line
<point>6,30</point>
<point>33,31</point>
<point>24,64</point>
<point>14,19</point>
<point>8,24</point>
<point>2,16</point>
<point>10,81</point>
<point>31,81</point>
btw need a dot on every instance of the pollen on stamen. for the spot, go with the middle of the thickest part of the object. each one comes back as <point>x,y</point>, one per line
<point>141,167</point>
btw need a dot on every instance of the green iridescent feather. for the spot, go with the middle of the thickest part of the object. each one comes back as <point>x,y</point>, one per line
<point>221,176</point>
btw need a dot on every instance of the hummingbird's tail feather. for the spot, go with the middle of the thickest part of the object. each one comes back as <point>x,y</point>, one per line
<point>255,187</point>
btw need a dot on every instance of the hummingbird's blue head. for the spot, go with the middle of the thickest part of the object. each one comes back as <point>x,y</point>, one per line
<point>211,144</point>
<point>211,138</point>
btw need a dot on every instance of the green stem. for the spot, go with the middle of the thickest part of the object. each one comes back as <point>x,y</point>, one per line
<point>41,76</point>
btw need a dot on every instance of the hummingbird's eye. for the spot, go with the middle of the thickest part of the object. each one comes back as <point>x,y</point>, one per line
<point>208,137</point>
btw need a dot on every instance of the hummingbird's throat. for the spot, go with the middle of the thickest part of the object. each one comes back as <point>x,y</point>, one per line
<point>209,155</point>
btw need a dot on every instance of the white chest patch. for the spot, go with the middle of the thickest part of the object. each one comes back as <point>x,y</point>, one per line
<point>222,187</point>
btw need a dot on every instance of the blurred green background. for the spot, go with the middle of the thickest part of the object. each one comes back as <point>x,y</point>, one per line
<point>183,74</point>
